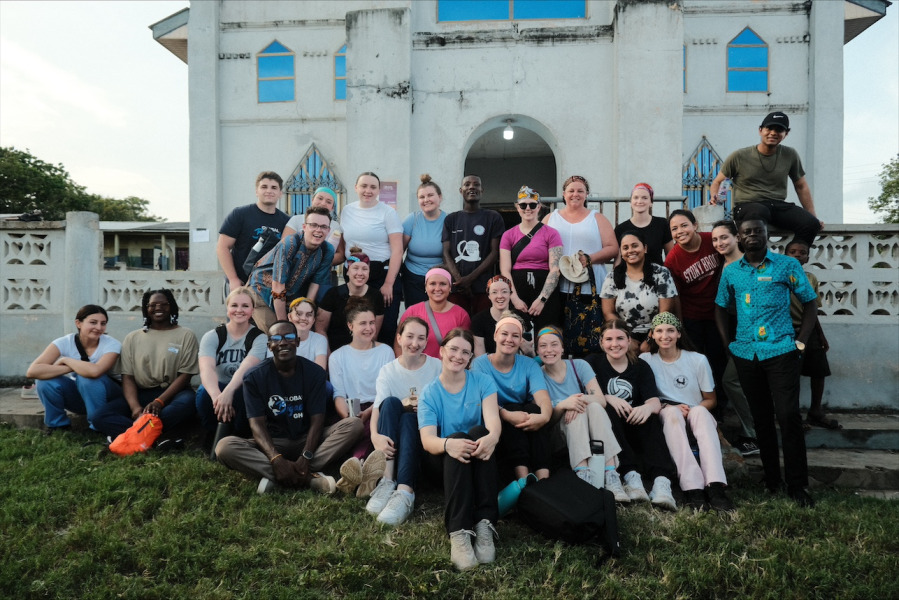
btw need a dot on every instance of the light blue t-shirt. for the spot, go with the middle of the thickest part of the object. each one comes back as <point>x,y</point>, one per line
<point>518,385</point>
<point>425,248</point>
<point>454,413</point>
<point>560,391</point>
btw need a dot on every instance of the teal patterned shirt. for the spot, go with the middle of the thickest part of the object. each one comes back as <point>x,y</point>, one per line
<point>762,299</point>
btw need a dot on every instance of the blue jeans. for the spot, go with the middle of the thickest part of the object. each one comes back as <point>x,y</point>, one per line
<point>401,427</point>
<point>115,418</point>
<point>241,426</point>
<point>83,396</point>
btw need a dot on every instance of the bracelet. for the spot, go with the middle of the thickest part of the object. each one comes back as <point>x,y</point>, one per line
<point>272,459</point>
<point>445,440</point>
<point>161,403</point>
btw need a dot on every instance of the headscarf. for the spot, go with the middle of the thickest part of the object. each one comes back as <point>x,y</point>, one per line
<point>497,278</point>
<point>646,187</point>
<point>666,318</point>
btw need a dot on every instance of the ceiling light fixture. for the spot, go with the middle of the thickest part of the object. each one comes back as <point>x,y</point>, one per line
<point>508,132</point>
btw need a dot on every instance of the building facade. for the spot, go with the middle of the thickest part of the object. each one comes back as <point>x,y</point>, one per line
<point>619,91</point>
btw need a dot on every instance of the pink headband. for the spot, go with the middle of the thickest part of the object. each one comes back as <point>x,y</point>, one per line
<point>440,272</point>
<point>646,187</point>
<point>507,321</point>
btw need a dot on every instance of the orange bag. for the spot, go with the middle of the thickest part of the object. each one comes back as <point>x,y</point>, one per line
<point>139,437</point>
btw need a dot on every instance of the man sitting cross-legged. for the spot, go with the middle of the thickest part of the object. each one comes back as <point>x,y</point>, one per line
<point>285,400</point>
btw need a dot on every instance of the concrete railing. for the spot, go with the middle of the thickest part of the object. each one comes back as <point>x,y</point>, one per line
<point>50,269</point>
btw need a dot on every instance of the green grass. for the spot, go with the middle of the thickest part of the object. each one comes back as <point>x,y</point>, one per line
<point>76,523</point>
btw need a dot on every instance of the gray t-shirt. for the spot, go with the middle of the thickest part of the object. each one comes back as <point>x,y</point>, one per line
<point>232,353</point>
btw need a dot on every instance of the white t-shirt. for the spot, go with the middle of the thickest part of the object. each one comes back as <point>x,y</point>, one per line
<point>396,380</point>
<point>314,346</point>
<point>684,380</point>
<point>68,349</point>
<point>368,228</point>
<point>354,372</point>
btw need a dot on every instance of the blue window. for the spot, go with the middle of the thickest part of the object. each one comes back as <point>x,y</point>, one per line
<point>699,171</point>
<point>340,74</point>
<point>504,10</point>
<point>747,63</point>
<point>276,74</point>
<point>313,172</point>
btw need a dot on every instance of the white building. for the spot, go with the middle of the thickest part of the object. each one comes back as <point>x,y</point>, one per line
<point>618,91</point>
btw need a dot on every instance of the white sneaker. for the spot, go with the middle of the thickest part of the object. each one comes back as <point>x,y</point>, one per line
<point>613,484</point>
<point>462,554</point>
<point>484,549</point>
<point>266,486</point>
<point>323,484</point>
<point>379,498</point>
<point>661,494</point>
<point>633,487</point>
<point>586,474</point>
<point>398,508</point>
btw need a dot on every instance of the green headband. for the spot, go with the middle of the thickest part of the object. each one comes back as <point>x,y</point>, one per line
<point>666,318</point>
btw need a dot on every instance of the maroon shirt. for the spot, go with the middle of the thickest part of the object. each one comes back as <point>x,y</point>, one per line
<point>696,276</point>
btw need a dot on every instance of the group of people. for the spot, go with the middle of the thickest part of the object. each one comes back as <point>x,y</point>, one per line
<point>471,384</point>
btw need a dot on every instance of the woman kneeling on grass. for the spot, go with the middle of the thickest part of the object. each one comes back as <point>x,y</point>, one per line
<point>458,418</point>
<point>578,407</point>
<point>72,372</point>
<point>686,385</point>
<point>394,422</point>
<point>633,405</point>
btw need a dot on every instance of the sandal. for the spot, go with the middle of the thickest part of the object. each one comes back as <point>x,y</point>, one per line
<point>823,421</point>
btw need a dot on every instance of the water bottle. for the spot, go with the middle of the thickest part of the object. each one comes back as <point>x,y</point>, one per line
<point>723,190</point>
<point>597,463</point>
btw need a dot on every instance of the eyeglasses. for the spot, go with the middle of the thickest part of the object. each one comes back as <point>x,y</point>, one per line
<point>457,350</point>
<point>277,338</point>
<point>315,226</point>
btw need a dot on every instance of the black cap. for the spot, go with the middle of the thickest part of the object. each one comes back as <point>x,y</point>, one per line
<point>777,118</point>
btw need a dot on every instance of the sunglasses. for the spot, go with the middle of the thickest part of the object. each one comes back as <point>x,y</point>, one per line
<point>277,338</point>
<point>528,205</point>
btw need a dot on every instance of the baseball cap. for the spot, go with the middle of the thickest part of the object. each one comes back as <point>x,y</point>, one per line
<point>777,118</point>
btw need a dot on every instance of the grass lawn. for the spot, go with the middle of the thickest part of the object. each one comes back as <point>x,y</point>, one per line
<point>76,523</point>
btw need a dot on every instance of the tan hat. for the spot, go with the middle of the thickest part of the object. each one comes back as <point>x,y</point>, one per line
<point>572,269</point>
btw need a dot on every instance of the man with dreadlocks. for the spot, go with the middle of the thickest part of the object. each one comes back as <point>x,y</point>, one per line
<point>157,363</point>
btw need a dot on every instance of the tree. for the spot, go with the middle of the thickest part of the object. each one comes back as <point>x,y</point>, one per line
<point>27,183</point>
<point>888,200</point>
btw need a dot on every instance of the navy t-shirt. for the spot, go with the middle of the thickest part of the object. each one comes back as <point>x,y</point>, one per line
<point>244,224</point>
<point>287,403</point>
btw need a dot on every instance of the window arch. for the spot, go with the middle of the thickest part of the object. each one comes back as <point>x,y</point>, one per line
<point>312,172</point>
<point>699,171</point>
<point>340,74</point>
<point>275,74</point>
<point>747,63</point>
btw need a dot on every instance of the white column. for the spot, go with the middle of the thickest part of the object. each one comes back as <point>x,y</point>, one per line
<point>84,259</point>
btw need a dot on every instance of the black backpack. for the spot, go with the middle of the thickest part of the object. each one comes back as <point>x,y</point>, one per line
<point>567,508</point>
<point>222,334</point>
<point>268,239</point>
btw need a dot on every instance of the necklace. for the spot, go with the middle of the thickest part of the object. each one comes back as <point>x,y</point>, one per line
<point>762,163</point>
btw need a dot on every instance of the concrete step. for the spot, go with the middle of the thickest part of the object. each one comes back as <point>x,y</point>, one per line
<point>871,431</point>
<point>863,469</point>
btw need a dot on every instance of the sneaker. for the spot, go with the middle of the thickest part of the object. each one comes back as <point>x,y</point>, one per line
<point>266,486</point>
<point>613,484</point>
<point>695,499</point>
<point>462,554</point>
<point>323,484</point>
<point>372,471</point>
<point>29,391</point>
<point>380,496</point>
<point>801,497</point>
<point>633,487</point>
<point>661,494</point>
<point>398,508</point>
<point>717,498</point>
<point>586,474</point>
<point>350,476</point>
<point>747,447</point>
<point>484,549</point>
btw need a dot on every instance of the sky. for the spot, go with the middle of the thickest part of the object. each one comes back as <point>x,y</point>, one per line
<point>84,84</point>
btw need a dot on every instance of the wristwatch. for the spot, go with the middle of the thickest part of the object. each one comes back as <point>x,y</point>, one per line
<point>308,455</point>
<point>543,299</point>
<point>800,346</point>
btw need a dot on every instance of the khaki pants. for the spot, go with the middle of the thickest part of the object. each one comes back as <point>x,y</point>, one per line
<point>244,455</point>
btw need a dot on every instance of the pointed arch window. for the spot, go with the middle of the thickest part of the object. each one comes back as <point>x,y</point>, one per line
<point>276,74</point>
<point>312,172</point>
<point>699,171</point>
<point>340,74</point>
<point>747,63</point>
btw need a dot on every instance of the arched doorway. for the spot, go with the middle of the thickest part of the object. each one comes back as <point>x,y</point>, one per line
<point>506,165</point>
